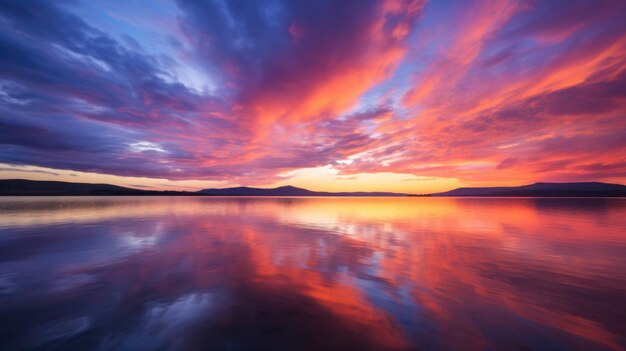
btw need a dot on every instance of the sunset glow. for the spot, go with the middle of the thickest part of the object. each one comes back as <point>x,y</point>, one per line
<point>374,95</point>
<point>316,273</point>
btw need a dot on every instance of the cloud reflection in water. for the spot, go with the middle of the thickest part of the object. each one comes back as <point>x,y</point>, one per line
<point>312,273</point>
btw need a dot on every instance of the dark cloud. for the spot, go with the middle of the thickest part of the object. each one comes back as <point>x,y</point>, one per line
<point>296,84</point>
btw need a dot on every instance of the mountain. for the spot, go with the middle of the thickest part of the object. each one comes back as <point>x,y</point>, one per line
<point>589,189</point>
<point>10,187</point>
<point>50,188</point>
<point>286,191</point>
<point>45,188</point>
<point>247,191</point>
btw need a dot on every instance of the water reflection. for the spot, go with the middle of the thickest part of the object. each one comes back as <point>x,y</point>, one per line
<point>312,273</point>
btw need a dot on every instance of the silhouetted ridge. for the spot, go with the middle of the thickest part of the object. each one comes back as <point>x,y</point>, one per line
<point>24,187</point>
<point>541,189</point>
<point>287,190</point>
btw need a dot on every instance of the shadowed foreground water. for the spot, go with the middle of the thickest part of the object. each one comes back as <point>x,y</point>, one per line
<point>177,273</point>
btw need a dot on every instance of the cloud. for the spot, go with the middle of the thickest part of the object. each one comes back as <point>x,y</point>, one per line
<point>247,91</point>
<point>15,169</point>
<point>506,163</point>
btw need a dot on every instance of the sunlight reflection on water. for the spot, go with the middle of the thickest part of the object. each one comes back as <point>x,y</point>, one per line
<point>151,273</point>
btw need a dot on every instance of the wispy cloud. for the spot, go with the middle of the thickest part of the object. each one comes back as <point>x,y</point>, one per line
<point>7,169</point>
<point>506,91</point>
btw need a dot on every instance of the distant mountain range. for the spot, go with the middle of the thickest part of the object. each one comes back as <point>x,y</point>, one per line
<point>51,188</point>
<point>20,187</point>
<point>287,191</point>
<point>589,189</point>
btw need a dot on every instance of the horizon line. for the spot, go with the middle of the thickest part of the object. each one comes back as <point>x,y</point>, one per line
<point>137,187</point>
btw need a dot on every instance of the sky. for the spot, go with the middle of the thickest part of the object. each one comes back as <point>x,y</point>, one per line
<point>372,95</point>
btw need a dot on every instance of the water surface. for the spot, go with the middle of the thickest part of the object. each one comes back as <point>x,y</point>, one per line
<point>207,273</point>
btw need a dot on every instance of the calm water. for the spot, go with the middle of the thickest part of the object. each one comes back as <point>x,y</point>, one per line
<point>176,273</point>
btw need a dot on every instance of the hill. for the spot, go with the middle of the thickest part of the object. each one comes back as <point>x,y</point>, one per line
<point>9,187</point>
<point>20,187</point>
<point>286,191</point>
<point>588,189</point>
<point>23,187</point>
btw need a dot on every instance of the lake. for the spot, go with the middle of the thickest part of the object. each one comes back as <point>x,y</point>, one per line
<point>220,273</point>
